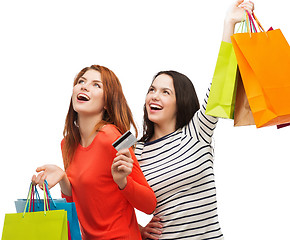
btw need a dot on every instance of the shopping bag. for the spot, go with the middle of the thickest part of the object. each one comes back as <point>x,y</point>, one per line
<point>54,204</point>
<point>284,124</point>
<point>264,60</point>
<point>44,225</point>
<point>74,228</point>
<point>243,115</point>
<point>222,93</point>
<point>35,226</point>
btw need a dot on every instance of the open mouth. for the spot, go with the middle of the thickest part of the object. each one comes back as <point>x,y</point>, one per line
<point>83,97</point>
<point>155,107</point>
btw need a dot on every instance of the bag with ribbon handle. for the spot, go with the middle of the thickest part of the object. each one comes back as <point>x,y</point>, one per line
<point>54,204</point>
<point>45,225</point>
<point>264,60</point>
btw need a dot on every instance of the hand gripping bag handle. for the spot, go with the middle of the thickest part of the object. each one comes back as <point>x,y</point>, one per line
<point>45,202</point>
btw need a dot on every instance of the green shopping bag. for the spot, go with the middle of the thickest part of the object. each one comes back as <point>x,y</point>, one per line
<point>45,225</point>
<point>222,95</point>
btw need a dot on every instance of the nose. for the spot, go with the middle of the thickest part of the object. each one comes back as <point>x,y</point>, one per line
<point>155,95</point>
<point>84,87</point>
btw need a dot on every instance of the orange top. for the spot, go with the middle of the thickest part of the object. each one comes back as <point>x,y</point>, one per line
<point>105,211</point>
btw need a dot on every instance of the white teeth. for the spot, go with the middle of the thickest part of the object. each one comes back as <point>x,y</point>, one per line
<point>155,106</point>
<point>82,96</point>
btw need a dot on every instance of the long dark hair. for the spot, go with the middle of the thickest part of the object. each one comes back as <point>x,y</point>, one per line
<point>186,102</point>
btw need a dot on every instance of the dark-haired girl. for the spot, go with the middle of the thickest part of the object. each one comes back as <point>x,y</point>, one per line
<point>176,155</point>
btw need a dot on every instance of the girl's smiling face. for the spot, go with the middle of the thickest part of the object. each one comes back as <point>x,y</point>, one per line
<point>161,101</point>
<point>88,94</point>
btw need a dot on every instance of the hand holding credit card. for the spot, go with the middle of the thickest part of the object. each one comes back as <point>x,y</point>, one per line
<point>125,141</point>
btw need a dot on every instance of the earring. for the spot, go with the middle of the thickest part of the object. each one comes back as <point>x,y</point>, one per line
<point>76,124</point>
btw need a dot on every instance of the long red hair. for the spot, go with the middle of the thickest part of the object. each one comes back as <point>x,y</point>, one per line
<point>117,112</point>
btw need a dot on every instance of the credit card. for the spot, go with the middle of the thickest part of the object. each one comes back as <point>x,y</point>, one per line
<point>125,141</point>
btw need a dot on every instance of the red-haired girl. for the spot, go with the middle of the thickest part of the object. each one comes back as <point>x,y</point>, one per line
<point>105,185</point>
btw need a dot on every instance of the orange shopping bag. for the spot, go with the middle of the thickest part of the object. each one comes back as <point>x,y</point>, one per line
<point>264,63</point>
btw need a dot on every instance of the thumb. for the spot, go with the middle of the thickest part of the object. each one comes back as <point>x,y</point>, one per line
<point>40,169</point>
<point>33,179</point>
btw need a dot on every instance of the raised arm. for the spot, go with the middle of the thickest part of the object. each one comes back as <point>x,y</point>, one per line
<point>235,14</point>
<point>202,126</point>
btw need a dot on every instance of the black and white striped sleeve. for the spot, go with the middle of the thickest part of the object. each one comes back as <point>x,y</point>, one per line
<point>202,125</point>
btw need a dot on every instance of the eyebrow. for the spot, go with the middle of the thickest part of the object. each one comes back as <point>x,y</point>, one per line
<point>99,81</point>
<point>165,88</point>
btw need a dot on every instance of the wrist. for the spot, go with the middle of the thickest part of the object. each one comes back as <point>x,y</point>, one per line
<point>63,176</point>
<point>141,228</point>
<point>65,185</point>
<point>229,29</point>
<point>122,183</point>
<point>229,23</point>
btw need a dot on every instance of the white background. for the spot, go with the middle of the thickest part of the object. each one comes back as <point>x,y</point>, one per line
<point>44,44</point>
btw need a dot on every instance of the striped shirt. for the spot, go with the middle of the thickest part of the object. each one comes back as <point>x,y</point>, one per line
<point>179,168</point>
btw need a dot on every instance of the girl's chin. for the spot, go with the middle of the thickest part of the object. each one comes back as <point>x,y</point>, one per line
<point>154,119</point>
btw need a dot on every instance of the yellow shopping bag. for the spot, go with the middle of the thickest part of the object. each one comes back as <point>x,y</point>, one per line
<point>44,225</point>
